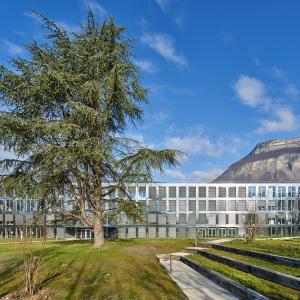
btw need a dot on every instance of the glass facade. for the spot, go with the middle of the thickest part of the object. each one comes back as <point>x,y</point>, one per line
<point>175,210</point>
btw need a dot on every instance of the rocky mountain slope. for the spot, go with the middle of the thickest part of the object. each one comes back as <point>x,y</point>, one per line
<point>270,161</point>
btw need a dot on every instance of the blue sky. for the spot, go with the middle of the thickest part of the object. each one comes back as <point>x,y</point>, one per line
<point>224,75</point>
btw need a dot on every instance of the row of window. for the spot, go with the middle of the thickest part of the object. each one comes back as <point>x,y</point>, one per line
<point>213,192</point>
<point>174,205</point>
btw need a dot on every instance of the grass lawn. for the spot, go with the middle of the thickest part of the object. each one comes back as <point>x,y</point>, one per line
<point>295,271</point>
<point>289,248</point>
<point>124,269</point>
<point>267,288</point>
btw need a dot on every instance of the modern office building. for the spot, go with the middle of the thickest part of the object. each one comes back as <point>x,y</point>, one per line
<point>175,210</point>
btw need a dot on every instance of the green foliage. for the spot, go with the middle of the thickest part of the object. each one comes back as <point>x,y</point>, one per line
<point>66,109</point>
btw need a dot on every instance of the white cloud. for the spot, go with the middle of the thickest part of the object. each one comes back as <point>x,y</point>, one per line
<point>146,66</point>
<point>160,117</point>
<point>283,120</point>
<point>226,37</point>
<point>12,48</point>
<point>193,145</point>
<point>291,91</point>
<point>97,8</point>
<point>257,62</point>
<point>197,143</point>
<point>176,174</point>
<point>67,26</point>
<point>32,15</point>
<point>163,44</point>
<point>276,72</point>
<point>163,4</point>
<point>194,176</point>
<point>252,92</point>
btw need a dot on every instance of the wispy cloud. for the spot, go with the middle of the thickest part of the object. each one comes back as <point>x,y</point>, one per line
<point>226,36</point>
<point>207,175</point>
<point>146,66</point>
<point>164,45</point>
<point>292,91</point>
<point>196,142</point>
<point>174,9</point>
<point>96,7</point>
<point>163,4</point>
<point>12,48</point>
<point>283,120</point>
<point>68,27</point>
<point>32,15</point>
<point>253,93</point>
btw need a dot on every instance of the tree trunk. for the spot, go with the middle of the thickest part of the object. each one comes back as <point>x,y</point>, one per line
<point>98,232</point>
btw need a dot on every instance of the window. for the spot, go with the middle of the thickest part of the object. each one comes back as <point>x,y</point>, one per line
<point>262,191</point>
<point>192,205</point>
<point>291,204</point>
<point>162,192</point>
<point>20,205</point>
<point>1,205</point>
<point>202,192</point>
<point>281,204</point>
<point>172,192</point>
<point>252,191</point>
<point>232,192</point>
<point>202,205</point>
<point>222,205</point>
<point>9,205</point>
<point>182,192</point>
<point>142,191</point>
<point>222,192</point>
<point>212,205</point>
<point>172,205</point>
<point>152,192</point>
<point>212,192</point>
<point>291,191</point>
<point>192,192</point>
<point>242,192</point>
<point>281,191</point>
<point>272,192</point>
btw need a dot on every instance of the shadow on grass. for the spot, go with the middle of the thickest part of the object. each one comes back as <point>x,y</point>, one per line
<point>78,278</point>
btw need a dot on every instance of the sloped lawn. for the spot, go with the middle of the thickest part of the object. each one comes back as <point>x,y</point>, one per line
<point>125,269</point>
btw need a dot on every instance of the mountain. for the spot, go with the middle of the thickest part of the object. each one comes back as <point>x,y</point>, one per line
<point>270,161</point>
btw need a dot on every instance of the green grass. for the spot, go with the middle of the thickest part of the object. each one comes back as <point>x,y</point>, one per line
<point>267,288</point>
<point>289,247</point>
<point>124,269</point>
<point>294,271</point>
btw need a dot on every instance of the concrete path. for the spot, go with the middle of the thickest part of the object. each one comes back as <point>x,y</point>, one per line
<point>194,285</point>
<point>220,241</point>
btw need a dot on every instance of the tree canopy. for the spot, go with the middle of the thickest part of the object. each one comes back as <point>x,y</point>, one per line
<point>65,108</point>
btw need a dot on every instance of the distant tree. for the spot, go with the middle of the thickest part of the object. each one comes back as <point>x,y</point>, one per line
<point>64,112</point>
<point>252,226</point>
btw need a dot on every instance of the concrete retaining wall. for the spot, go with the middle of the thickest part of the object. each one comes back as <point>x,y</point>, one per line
<point>228,284</point>
<point>277,277</point>
<point>271,257</point>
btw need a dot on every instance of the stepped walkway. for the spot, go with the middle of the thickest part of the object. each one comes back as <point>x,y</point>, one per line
<point>194,285</point>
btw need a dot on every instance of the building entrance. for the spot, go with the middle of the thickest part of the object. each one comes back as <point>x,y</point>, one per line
<point>211,232</point>
<point>222,232</point>
<point>84,234</point>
